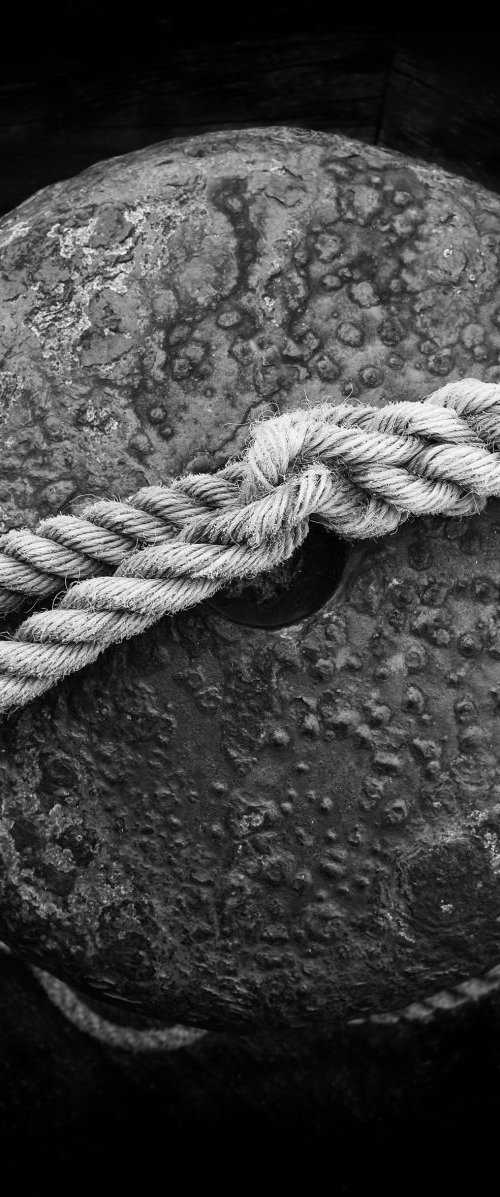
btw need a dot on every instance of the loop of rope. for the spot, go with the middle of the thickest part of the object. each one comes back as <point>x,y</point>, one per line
<point>359,470</point>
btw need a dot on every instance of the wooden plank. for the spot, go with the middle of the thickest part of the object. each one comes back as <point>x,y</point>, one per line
<point>203,83</point>
<point>443,104</point>
<point>53,125</point>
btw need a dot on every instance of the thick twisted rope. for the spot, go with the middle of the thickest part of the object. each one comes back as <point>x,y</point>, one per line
<point>358,470</point>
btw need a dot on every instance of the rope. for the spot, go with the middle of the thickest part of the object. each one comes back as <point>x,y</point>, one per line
<point>153,1038</point>
<point>359,470</point>
<point>114,1035</point>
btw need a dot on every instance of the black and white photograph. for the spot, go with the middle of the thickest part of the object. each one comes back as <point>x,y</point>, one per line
<point>249,603</point>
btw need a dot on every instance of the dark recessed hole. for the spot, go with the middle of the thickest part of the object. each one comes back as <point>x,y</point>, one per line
<point>293,590</point>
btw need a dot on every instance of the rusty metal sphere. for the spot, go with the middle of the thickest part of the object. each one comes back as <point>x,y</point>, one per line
<point>284,805</point>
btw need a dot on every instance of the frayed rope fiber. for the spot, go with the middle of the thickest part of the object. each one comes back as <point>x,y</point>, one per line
<point>358,470</point>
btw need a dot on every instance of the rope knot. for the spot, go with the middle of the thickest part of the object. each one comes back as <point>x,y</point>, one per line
<point>269,458</point>
<point>359,470</point>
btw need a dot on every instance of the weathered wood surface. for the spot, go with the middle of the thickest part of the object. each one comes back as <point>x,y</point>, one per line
<point>442,103</point>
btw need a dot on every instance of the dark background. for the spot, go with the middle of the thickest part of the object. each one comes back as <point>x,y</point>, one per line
<point>85,82</point>
<point>409,1108</point>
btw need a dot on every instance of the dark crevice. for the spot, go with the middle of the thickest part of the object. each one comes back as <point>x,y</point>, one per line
<point>290,592</point>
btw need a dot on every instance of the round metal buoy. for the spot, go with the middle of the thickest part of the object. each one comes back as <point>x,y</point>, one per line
<point>284,805</point>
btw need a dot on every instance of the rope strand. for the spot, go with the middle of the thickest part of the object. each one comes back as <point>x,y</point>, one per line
<point>359,470</point>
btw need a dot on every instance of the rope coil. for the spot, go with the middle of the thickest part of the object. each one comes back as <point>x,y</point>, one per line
<point>359,470</point>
